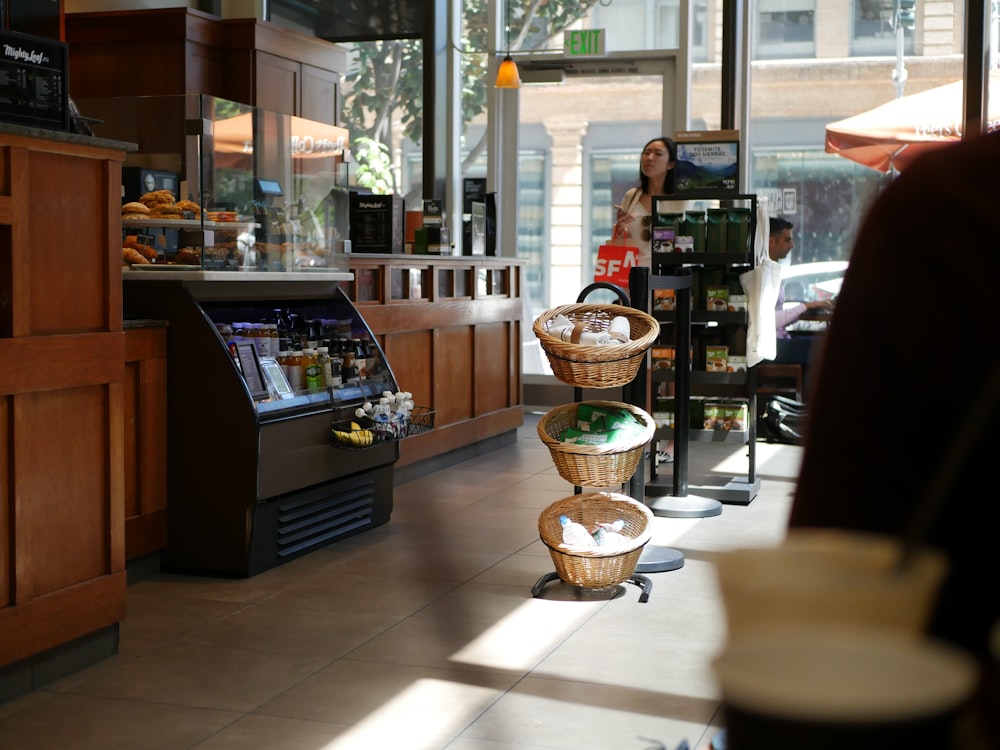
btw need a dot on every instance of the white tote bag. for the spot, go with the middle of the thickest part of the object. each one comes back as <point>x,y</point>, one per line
<point>761,284</point>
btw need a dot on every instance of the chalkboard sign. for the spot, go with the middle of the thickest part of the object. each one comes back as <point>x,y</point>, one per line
<point>376,223</point>
<point>33,85</point>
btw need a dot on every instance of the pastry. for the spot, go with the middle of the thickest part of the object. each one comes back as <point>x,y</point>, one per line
<point>130,255</point>
<point>189,256</point>
<point>157,197</point>
<point>166,211</point>
<point>135,207</point>
<point>187,205</point>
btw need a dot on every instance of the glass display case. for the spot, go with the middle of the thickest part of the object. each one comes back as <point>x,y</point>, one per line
<point>254,475</point>
<point>260,335</point>
<point>243,189</point>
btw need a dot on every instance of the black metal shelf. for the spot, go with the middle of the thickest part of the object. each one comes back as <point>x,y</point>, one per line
<point>699,377</point>
<point>678,271</point>
<point>705,436</point>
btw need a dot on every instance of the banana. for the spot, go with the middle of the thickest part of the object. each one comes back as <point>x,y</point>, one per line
<point>357,437</point>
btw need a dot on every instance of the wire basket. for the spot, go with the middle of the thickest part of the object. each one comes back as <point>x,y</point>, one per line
<point>596,366</point>
<point>594,465</point>
<point>421,419</point>
<point>598,567</point>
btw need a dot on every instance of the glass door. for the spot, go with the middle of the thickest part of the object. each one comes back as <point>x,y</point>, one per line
<point>581,128</point>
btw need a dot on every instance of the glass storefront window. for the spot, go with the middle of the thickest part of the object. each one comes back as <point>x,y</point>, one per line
<point>652,25</point>
<point>872,32</point>
<point>785,29</point>
<point>822,194</point>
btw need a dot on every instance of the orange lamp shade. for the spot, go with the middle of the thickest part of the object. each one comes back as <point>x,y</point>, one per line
<point>507,75</point>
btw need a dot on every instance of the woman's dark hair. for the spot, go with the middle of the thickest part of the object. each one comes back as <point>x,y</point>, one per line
<point>668,183</point>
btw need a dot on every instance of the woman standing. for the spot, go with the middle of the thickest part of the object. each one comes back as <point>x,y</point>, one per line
<point>656,177</point>
<point>634,216</point>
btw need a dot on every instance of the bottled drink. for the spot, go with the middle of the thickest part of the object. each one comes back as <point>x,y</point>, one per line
<point>226,331</point>
<point>311,370</point>
<point>296,378</point>
<point>575,534</point>
<point>284,329</point>
<point>283,356</point>
<point>359,358</point>
<point>296,332</point>
<point>253,332</point>
<point>274,342</point>
<point>336,363</point>
<point>325,366</point>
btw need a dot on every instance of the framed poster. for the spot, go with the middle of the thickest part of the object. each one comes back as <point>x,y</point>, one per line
<point>708,163</point>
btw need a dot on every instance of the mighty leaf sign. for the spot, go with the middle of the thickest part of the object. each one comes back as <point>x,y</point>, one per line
<point>584,42</point>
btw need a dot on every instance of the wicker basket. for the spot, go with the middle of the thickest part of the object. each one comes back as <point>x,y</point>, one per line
<point>598,567</point>
<point>596,366</point>
<point>594,465</point>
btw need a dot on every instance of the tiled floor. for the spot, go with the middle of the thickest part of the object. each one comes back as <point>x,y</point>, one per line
<point>422,634</point>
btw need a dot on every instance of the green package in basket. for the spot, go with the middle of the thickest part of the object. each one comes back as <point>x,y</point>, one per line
<point>594,418</point>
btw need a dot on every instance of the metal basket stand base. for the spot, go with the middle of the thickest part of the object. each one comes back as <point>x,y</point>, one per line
<point>637,578</point>
<point>656,559</point>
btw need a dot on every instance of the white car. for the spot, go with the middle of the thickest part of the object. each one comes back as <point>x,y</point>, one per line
<point>805,282</point>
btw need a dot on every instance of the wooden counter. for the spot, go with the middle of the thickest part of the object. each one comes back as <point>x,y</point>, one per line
<point>450,327</point>
<point>62,541</point>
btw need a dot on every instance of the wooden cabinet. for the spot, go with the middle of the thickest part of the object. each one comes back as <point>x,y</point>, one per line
<point>184,51</point>
<point>283,71</point>
<point>145,448</point>
<point>62,546</point>
<point>451,327</point>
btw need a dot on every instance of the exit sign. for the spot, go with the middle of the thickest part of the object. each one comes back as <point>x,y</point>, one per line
<point>584,42</point>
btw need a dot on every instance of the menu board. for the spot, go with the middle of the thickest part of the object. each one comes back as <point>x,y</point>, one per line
<point>33,85</point>
<point>376,223</point>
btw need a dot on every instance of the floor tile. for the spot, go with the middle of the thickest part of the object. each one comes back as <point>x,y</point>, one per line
<point>45,720</point>
<point>425,633</point>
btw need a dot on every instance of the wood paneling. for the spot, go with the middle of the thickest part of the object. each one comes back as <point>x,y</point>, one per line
<point>62,514</point>
<point>454,373</point>
<point>277,84</point>
<point>492,358</point>
<point>412,349</point>
<point>460,342</point>
<point>145,464</point>
<point>318,94</point>
<point>185,51</point>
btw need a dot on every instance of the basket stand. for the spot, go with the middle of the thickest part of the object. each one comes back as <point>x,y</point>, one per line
<point>638,579</point>
<point>652,559</point>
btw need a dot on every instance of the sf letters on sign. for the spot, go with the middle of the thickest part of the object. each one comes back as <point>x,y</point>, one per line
<point>614,263</point>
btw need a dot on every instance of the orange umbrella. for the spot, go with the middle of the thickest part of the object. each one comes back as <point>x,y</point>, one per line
<point>892,135</point>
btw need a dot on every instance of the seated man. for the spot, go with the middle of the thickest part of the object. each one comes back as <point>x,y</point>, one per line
<point>790,350</point>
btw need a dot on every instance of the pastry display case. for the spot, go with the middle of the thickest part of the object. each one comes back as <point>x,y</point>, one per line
<point>220,186</point>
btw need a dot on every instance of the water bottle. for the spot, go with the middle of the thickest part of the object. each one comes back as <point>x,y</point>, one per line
<point>609,534</point>
<point>575,535</point>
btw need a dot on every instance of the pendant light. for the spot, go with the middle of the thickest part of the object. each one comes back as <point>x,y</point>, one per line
<point>507,75</point>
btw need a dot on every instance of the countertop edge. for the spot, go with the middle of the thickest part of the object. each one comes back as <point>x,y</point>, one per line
<point>64,136</point>
<point>241,276</point>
